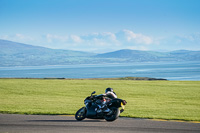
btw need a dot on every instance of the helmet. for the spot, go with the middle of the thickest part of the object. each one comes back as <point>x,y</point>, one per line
<point>108,89</point>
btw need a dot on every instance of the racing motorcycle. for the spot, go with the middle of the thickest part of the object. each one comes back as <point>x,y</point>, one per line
<point>92,110</point>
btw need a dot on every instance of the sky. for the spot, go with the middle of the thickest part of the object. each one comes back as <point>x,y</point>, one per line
<point>102,25</point>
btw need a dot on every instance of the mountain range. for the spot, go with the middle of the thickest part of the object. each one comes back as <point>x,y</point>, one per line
<point>19,54</point>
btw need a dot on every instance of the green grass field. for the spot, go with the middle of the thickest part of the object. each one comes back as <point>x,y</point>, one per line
<point>171,100</point>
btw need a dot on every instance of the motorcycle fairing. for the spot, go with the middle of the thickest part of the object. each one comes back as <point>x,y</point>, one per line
<point>115,103</point>
<point>91,112</point>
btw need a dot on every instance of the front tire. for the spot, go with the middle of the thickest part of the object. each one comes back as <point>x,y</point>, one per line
<point>80,114</point>
<point>114,114</point>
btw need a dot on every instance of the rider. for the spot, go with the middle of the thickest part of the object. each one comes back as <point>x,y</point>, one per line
<point>109,93</point>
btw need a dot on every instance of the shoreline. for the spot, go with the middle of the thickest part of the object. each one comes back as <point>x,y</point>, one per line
<point>120,78</point>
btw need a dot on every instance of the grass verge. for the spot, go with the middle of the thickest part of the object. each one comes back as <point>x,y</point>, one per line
<point>170,100</point>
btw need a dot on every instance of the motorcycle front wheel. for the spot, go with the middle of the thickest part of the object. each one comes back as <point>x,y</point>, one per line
<point>81,114</point>
<point>113,114</point>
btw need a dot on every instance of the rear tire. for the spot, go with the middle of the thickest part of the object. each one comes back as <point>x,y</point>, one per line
<point>80,114</point>
<point>114,115</point>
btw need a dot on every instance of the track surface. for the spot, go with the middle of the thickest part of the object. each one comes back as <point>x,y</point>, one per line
<point>12,123</point>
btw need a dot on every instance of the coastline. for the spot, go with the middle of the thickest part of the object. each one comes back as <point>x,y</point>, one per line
<point>120,78</point>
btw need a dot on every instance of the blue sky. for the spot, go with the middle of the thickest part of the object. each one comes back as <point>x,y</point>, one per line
<point>102,25</point>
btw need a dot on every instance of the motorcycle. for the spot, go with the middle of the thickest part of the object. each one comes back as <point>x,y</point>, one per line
<point>92,110</point>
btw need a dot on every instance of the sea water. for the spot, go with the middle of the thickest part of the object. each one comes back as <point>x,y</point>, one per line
<point>166,70</point>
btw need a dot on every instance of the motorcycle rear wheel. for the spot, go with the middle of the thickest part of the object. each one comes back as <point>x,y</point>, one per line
<point>81,114</point>
<point>114,114</point>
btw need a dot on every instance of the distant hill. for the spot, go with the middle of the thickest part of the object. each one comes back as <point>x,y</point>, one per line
<point>125,53</point>
<point>136,55</point>
<point>19,54</point>
<point>128,54</point>
<point>8,47</point>
<point>185,55</point>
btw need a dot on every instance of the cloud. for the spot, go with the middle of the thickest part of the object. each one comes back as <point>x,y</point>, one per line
<point>17,38</point>
<point>20,36</point>
<point>109,41</point>
<point>52,38</point>
<point>124,39</point>
<point>105,41</point>
<point>177,42</point>
<point>99,41</point>
<point>137,38</point>
<point>110,36</point>
<point>106,36</point>
<point>121,40</point>
<point>76,39</point>
<point>195,37</point>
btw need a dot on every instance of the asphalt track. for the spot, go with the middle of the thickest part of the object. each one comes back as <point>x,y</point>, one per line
<point>13,123</point>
